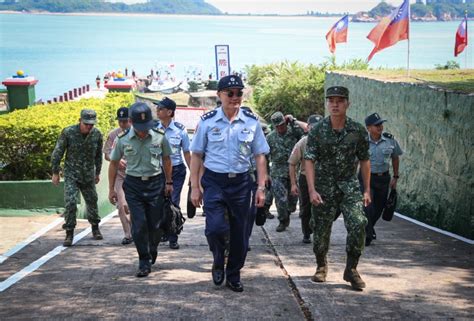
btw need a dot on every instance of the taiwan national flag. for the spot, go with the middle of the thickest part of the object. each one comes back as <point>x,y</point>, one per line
<point>461,37</point>
<point>390,29</point>
<point>338,33</point>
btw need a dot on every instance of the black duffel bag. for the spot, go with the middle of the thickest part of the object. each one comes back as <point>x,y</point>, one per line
<point>261,216</point>
<point>387,213</point>
<point>173,219</point>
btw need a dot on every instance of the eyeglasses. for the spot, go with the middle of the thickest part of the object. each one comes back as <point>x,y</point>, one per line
<point>231,94</point>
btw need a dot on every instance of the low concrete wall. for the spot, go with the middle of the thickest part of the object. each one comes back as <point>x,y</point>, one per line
<point>435,128</point>
<point>44,195</point>
<point>31,195</point>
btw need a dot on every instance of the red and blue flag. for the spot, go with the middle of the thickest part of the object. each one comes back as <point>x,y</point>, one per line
<point>390,29</point>
<point>461,37</point>
<point>338,33</point>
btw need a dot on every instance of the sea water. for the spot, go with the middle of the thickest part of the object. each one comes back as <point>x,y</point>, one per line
<point>68,51</point>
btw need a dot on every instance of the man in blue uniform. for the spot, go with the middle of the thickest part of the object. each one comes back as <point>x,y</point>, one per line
<point>383,149</point>
<point>147,152</point>
<point>179,141</point>
<point>229,137</point>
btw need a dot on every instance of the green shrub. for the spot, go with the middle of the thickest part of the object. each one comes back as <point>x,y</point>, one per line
<point>193,86</point>
<point>28,136</point>
<point>450,64</point>
<point>292,87</point>
<point>211,85</point>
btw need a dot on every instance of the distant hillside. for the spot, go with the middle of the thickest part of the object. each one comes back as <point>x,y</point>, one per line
<point>439,11</point>
<point>155,6</point>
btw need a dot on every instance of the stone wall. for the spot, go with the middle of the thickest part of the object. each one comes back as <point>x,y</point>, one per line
<point>435,129</point>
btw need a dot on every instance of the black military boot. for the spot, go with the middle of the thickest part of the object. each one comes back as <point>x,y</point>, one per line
<point>351,275</point>
<point>96,235</point>
<point>321,270</point>
<point>281,227</point>
<point>267,212</point>
<point>69,238</point>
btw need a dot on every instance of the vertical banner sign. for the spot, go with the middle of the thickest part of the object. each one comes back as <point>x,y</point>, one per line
<point>222,61</point>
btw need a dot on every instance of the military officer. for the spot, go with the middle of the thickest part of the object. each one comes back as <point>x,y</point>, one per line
<point>286,133</point>
<point>82,144</point>
<point>122,207</point>
<point>147,181</point>
<point>333,146</point>
<point>383,149</point>
<point>228,136</point>
<point>179,142</point>
<point>299,186</point>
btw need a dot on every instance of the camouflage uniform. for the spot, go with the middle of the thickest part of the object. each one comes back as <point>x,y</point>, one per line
<point>335,154</point>
<point>280,149</point>
<point>82,164</point>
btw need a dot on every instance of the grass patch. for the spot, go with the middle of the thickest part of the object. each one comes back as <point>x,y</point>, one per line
<point>456,80</point>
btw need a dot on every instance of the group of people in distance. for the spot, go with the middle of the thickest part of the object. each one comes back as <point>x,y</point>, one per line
<point>228,160</point>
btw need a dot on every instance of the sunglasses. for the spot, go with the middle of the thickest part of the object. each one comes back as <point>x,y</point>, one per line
<point>231,94</point>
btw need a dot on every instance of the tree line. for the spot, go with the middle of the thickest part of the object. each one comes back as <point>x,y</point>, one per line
<point>65,6</point>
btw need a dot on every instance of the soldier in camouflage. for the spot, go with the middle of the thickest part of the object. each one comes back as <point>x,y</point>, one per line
<point>333,146</point>
<point>82,144</point>
<point>288,131</point>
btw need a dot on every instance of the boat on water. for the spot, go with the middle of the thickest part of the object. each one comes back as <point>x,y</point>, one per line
<point>165,87</point>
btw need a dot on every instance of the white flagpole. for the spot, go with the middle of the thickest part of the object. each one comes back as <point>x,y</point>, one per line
<point>408,54</point>
<point>467,41</point>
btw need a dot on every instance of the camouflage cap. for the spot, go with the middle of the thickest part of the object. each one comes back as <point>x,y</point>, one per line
<point>277,119</point>
<point>314,119</point>
<point>337,91</point>
<point>89,116</point>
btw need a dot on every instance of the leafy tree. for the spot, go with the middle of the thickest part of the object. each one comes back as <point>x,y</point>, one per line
<point>292,87</point>
<point>381,10</point>
<point>420,10</point>
<point>450,64</point>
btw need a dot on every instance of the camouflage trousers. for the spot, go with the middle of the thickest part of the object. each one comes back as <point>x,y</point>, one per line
<point>284,201</point>
<point>322,217</point>
<point>71,193</point>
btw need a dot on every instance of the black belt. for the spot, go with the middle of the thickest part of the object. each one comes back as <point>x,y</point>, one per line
<point>380,174</point>
<point>144,178</point>
<point>225,175</point>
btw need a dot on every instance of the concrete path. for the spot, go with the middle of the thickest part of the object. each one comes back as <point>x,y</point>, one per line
<point>411,274</point>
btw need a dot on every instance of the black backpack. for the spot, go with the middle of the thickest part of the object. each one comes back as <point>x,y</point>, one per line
<point>173,219</point>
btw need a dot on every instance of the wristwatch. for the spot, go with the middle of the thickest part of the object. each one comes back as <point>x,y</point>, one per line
<point>261,188</point>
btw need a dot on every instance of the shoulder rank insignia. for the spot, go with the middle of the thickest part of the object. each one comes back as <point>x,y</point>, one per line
<point>179,125</point>
<point>248,112</point>
<point>122,134</point>
<point>388,135</point>
<point>159,131</point>
<point>208,115</point>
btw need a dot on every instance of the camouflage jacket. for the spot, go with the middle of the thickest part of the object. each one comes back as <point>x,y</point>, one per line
<point>83,154</point>
<point>281,147</point>
<point>336,153</point>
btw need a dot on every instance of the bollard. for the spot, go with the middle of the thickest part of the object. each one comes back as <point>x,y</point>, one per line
<point>49,101</point>
<point>88,87</point>
<point>60,99</point>
<point>80,91</point>
<point>75,92</point>
<point>55,99</point>
<point>70,95</point>
<point>66,98</point>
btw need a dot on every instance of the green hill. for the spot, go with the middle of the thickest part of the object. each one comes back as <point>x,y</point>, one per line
<point>155,6</point>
